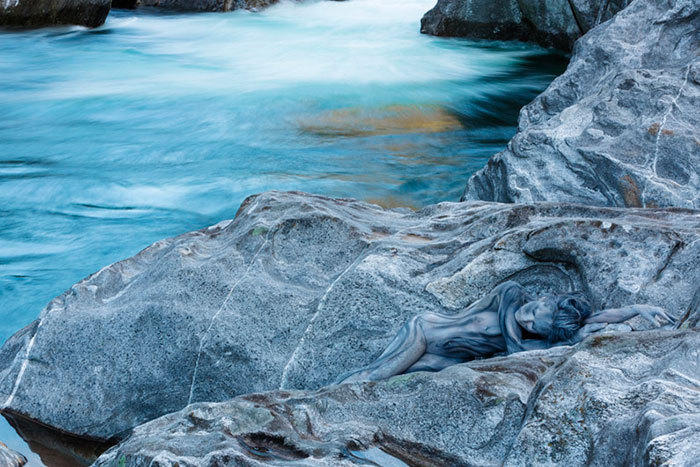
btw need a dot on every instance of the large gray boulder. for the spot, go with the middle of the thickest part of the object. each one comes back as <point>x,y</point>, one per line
<point>627,399</point>
<point>37,13</point>
<point>10,458</point>
<point>619,127</point>
<point>300,288</point>
<point>552,23</point>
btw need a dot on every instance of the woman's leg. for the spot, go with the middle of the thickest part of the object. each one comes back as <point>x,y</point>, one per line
<point>432,362</point>
<point>407,348</point>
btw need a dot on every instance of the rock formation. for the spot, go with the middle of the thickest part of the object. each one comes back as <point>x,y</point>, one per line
<point>92,13</point>
<point>36,13</point>
<point>299,289</point>
<point>195,5</point>
<point>551,23</point>
<point>625,399</point>
<point>619,127</point>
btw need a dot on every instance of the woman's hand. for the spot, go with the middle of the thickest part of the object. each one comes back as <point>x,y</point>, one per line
<point>586,331</point>
<point>655,315</point>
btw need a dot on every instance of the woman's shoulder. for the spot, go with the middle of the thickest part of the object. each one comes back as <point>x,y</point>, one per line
<point>509,286</point>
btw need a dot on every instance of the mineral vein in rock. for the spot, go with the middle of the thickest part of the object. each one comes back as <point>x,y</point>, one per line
<point>674,103</point>
<point>22,369</point>
<point>285,372</point>
<point>218,312</point>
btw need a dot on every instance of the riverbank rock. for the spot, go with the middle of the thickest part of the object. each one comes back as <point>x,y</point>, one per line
<point>196,5</point>
<point>37,13</point>
<point>618,399</point>
<point>619,127</point>
<point>10,458</point>
<point>300,288</point>
<point>546,22</point>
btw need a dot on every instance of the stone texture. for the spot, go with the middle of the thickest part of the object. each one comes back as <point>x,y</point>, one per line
<point>37,13</point>
<point>619,127</point>
<point>552,23</point>
<point>299,289</point>
<point>484,19</point>
<point>616,399</point>
<point>196,5</point>
<point>10,458</point>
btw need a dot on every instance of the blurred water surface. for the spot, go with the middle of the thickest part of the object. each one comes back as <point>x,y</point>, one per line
<point>160,123</point>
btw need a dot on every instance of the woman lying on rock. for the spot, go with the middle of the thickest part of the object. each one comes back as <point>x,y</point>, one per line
<point>506,320</point>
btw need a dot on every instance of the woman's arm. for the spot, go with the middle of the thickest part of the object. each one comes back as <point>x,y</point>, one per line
<point>654,314</point>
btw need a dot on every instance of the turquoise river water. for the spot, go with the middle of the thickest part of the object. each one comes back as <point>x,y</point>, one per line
<point>155,124</point>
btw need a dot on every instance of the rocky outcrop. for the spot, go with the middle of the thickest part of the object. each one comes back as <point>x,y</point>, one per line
<point>625,399</point>
<point>10,458</point>
<point>196,5</point>
<point>299,289</point>
<point>36,13</point>
<point>619,127</point>
<point>552,23</point>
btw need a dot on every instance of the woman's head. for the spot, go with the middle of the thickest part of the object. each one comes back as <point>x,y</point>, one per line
<point>555,317</point>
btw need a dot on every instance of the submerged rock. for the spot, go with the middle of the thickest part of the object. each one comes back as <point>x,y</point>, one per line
<point>10,458</point>
<point>546,22</point>
<point>387,120</point>
<point>619,127</point>
<point>299,289</point>
<point>37,13</point>
<point>625,399</point>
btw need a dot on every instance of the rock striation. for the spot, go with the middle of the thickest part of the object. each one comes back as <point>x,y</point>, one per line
<point>551,23</point>
<point>37,13</point>
<point>10,458</point>
<point>300,288</point>
<point>616,399</point>
<point>619,127</point>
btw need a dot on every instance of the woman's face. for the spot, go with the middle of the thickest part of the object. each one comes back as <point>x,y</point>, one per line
<point>536,317</point>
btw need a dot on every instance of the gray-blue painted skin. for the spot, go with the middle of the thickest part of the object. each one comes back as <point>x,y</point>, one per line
<point>507,320</point>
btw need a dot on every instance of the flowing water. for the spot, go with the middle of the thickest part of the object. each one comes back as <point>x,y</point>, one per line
<point>156,124</point>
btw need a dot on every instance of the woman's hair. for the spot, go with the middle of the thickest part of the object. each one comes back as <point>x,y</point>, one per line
<point>572,311</point>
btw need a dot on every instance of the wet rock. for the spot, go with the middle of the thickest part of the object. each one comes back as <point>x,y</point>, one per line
<point>619,399</point>
<point>619,127</point>
<point>482,19</point>
<point>10,458</point>
<point>37,13</point>
<point>551,23</point>
<point>196,5</point>
<point>300,288</point>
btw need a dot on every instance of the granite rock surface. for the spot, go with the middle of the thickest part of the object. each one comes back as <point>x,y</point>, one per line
<point>616,399</point>
<point>619,127</point>
<point>551,23</point>
<point>299,289</point>
<point>38,13</point>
